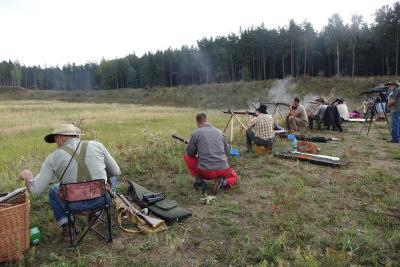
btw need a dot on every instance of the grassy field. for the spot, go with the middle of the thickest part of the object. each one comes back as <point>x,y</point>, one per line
<point>281,212</point>
<point>233,95</point>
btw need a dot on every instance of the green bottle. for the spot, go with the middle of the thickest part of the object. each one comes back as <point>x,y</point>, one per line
<point>35,235</point>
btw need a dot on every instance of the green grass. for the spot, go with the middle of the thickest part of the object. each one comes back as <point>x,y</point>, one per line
<point>281,212</point>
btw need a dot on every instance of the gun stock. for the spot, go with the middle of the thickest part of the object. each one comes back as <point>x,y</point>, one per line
<point>153,222</point>
<point>12,194</point>
<point>179,138</point>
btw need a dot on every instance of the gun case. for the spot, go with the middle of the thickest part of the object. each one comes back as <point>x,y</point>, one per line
<point>166,209</point>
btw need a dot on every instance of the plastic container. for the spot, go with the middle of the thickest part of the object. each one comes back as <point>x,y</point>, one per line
<point>294,145</point>
<point>293,141</point>
<point>234,153</point>
<point>35,235</point>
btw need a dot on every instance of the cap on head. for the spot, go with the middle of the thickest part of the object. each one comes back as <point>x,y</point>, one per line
<point>62,129</point>
<point>262,109</point>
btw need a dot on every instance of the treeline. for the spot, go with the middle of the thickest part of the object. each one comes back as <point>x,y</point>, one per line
<point>256,53</point>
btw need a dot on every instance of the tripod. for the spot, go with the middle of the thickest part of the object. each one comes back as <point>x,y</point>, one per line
<point>277,109</point>
<point>230,121</point>
<point>371,110</point>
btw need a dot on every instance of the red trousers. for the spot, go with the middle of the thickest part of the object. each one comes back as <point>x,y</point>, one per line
<point>228,174</point>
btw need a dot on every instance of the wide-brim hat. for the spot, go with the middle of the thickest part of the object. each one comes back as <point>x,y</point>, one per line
<point>262,108</point>
<point>392,83</point>
<point>62,129</point>
<point>320,100</point>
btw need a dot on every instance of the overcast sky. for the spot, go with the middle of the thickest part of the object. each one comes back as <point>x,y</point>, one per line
<point>55,32</point>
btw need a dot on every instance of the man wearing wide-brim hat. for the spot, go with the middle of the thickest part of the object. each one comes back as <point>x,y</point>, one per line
<point>64,166</point>
<point>261,129</point>
<point>394,105</point>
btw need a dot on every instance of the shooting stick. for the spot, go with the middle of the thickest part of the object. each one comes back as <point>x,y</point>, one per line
<point>277,108</point>
<point>230,121</point>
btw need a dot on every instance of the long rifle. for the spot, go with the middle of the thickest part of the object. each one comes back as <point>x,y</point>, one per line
<point>180,138</point>
<point>315,159</point>
<point>318,139</point>
<point>241,112</point>
<point>275,103</point>
<point>153,222</point>
<point>12,194</point>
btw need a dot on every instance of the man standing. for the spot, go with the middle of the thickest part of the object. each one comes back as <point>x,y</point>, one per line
<point>261,129</point>
<point>394,105</point>
<point>206,156</point>
<point>98,164</point>
<point>297,118</point>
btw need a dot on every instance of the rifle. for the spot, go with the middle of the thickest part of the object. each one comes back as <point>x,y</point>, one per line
<point>375,90</point>
<point>180,138</point>
<point>12,194</point>
<point>241,112</point>
<point>275,103</point>
<point>318,139</point>
<point>153,222</point>
<point>315,159</point>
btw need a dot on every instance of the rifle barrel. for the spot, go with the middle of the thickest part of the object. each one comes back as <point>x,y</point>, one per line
<point>179,138</point>
<point>12,194</point>
<point>241,112</point>
<point>153,222</point>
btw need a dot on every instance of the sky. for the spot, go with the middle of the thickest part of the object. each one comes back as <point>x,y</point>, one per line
<point>57,32</point>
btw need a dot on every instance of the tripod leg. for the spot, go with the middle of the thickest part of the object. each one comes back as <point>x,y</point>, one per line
<point>366,119</point>
<point>387,121</point>
<point>231,131</point>
<point>226,127</point>
<point>362,127</point>
<point>280,113</point>
<point>373,110</point>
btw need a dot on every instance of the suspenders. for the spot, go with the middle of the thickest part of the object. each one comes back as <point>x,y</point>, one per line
<point>83,171</point>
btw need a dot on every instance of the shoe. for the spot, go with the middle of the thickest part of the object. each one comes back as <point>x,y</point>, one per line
<point>217,185</point>
<point>394,142</point>
<point>65,231</point>
<point>199,185</point>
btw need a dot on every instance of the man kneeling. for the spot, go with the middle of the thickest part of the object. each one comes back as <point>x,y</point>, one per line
<point>261,129</point>
<point>206,156</point>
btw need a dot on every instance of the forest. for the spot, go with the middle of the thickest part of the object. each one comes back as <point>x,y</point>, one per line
<point>255,53</point>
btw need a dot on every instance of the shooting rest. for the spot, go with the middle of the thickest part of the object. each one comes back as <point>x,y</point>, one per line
<point>277,109</point>
<point>230,121</point>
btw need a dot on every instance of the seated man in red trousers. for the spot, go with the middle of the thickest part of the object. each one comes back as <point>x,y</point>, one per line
<point>206,156</point>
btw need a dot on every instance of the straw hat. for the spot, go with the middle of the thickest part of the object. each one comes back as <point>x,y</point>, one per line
<point>62,129</point>
<point>392,83</point>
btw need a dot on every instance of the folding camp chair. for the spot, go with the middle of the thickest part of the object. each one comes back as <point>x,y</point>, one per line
<point>90,200</point>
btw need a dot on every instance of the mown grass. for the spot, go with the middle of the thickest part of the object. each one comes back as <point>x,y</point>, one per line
<point>281,212</point>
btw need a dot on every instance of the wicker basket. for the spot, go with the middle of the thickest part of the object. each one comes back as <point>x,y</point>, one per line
<point>14,228</point>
